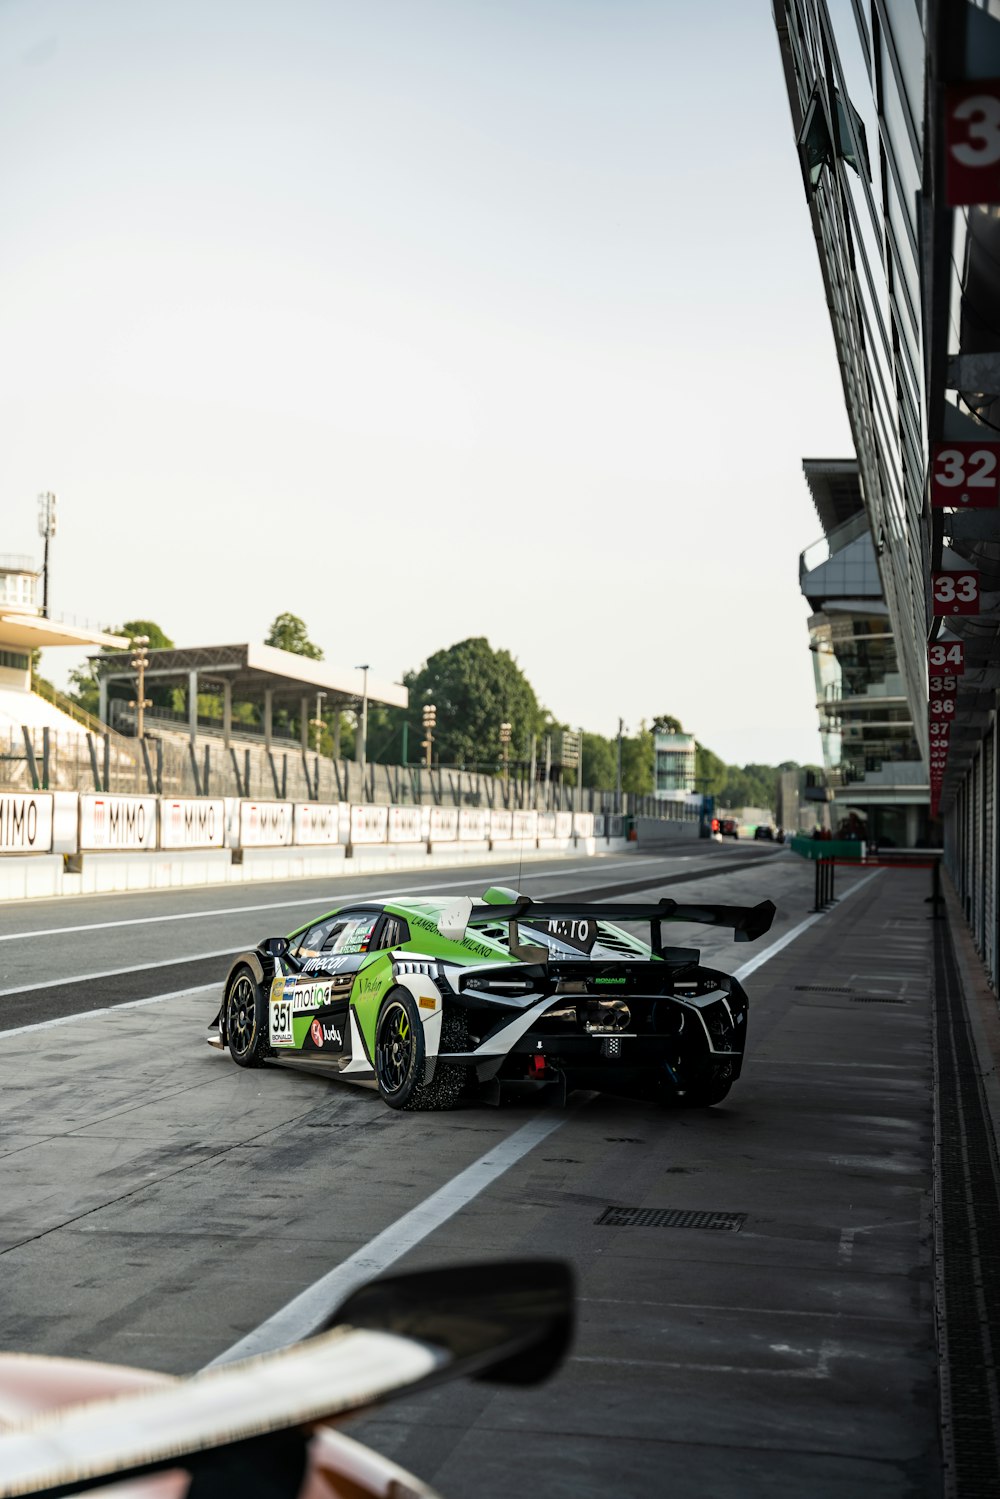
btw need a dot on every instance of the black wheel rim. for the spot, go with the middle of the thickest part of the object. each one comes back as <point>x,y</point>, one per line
<point>394,1052</point>
<point>240,1015</point>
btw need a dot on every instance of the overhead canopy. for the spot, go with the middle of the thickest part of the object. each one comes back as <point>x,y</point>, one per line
<point>32,632</point>
<point>835,486</point>
<point>252,671</point>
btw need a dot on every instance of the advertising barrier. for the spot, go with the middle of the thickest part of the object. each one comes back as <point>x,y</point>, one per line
<point>369,824</point>
<point>406,824</point>
<point>25,822</point>
<point>192,822</point>
<point>266,824</point>
<point>443,825</point>
<point>316,823</point>
<point>120,822</point>
<point>473,823</point>
<point>501,825</point>
<point>68,822</point>
<point>525,824</point>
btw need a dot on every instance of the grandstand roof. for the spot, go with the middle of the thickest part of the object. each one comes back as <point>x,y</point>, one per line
<point>254,669</point>
<point>30,631</point>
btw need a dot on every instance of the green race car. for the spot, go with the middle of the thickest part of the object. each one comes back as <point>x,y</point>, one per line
<point>425,999</point>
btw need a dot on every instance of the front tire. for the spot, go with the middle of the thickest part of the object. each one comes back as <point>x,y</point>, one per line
<point>401,1056</point>
<point>246,1019</point>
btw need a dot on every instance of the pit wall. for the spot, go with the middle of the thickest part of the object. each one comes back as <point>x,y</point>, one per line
<point>65,843</point>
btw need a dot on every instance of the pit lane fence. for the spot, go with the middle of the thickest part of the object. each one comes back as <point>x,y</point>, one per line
<point>72,823</point>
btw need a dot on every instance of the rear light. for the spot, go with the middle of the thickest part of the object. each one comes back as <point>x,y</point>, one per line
<point>537,1065</point>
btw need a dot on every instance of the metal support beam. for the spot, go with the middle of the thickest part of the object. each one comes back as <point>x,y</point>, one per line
<point>29,755</point>
<point>304,724</point>
<point>102,699</point>
<point>227,712</point>
<point>193,709</point>
<point>268,719</point>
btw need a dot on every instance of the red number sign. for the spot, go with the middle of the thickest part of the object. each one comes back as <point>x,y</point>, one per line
<point>942,684</point>
<point>972,142</point>
<point>947,655</point>
<point>942,707</point>
<point>955,593</point>
<point>965,475</point>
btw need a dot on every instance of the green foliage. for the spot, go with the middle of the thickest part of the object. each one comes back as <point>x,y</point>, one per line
<point>637,762</point>
<point>83,687</point>
<point>37,680</point>
<point>599,763</point>
<point>474,689</point>
<point>288,633</point>
<point>158,641</point>
<point>665,723</point>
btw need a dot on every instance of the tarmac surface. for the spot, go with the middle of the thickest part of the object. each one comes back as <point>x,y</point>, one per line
<point>768,1328</point>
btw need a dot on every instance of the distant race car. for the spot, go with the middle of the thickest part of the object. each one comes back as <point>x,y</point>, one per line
<point>424,999</point>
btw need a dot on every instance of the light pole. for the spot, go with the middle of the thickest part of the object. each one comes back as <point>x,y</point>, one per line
<point>430,719</point>
<point>618,781</point>
<point>506,730</point>
<point>579,771</point>
<point>46,529</point>
<point>140,702</point>
<point>318,720</point>
<point>361,745</point>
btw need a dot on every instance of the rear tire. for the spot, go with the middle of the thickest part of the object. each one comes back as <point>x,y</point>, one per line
<point>401,1056</point>
<point>245,1013</point>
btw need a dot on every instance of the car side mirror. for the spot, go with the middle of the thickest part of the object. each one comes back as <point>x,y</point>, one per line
<point>275,947</point>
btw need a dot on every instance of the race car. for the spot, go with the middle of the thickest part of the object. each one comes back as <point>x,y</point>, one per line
<point>428,999</point>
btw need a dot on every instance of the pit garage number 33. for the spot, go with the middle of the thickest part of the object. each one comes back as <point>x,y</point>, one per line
<point>427,1000</point>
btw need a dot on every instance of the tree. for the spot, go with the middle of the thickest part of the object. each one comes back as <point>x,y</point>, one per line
<point>600,766</point>
<point>84,679</point>
<point>288,633</point>
<point>474,689</point>
<point>637,762</point>
<point>665,723</point>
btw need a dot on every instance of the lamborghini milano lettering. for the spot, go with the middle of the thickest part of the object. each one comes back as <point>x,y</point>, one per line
<point>428,999</point>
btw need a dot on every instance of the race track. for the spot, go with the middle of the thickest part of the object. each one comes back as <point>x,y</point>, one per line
<point>161,1206</point>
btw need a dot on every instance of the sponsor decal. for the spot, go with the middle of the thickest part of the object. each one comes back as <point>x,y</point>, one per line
<point>25,823</point>
<point>280,1020</point>
<point>307,997</point>
<point>316,1031</point>
<point>331,1033</point>
<point>608,981</point>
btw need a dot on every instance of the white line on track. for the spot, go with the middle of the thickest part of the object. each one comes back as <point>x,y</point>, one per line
<point>796,931</point>
<point>129,1004</point>
<point>301,1316</point>
<point>302,903</point>
<point>304,1314</point>
<point>110,973</point>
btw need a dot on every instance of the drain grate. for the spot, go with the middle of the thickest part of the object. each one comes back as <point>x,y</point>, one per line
<point>877,999</point>
<point>615,1217</point>
<point>967,1231</point>
<point>822,989</point>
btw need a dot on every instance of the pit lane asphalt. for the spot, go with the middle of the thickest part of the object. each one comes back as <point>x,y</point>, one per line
<point>158,1203</point>
<point>64,958</point>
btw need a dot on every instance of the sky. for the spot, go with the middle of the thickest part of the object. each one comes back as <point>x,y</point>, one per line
<point>424,319</point>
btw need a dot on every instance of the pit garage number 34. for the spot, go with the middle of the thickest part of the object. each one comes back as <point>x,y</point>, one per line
<point>427,1000</point>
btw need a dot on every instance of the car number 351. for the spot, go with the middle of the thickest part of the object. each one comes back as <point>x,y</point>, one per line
<point>281,1022</point>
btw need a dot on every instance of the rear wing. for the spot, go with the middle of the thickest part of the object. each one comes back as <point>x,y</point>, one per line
<point>565,917</point>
